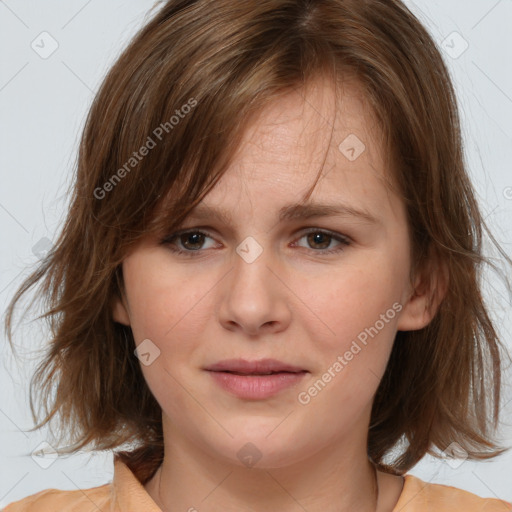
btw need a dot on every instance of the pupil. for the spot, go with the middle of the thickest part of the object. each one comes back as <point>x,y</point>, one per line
<point>195,238</point>
<point>317,239</point>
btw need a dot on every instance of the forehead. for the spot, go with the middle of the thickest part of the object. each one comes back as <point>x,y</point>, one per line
<point>301,133</point>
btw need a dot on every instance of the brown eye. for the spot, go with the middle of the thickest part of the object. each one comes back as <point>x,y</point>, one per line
<point>192,240</point>
<point>187,242</point>
<point>319,239</point>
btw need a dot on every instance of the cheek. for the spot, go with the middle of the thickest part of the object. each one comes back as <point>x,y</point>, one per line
<point>351,299</point>
<point>354,349</point>
<point>166,308</point>
<point>352,332</point>
<point>164,303</point>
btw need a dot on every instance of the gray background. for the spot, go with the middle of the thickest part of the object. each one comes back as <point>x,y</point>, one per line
<point>43,102</point>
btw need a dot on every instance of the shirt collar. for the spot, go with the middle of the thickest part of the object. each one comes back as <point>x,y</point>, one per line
<point>128,493</point>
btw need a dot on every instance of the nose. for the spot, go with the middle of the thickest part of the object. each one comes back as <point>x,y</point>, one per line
<point>254,298</point>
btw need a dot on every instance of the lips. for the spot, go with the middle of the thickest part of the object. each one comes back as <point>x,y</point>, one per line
<point>260,367</point>
<point>255,380</point>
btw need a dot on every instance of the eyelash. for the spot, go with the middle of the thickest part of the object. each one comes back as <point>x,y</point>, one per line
<point>344,241</point>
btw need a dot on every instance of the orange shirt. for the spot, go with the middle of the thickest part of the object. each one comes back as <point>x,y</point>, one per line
<point>126,494</point>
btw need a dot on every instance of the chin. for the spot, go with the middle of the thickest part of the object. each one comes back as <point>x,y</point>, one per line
<point>260,445</point>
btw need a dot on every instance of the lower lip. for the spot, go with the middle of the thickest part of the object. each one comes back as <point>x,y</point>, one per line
<point>256,387</point>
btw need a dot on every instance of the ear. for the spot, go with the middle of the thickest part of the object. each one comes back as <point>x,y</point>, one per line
<point>120,311</point>
<point>430,287</point>
<point>119,304</point>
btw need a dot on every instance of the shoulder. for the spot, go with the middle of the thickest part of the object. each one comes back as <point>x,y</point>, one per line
<point>419,496</point>
<point>50,500</point>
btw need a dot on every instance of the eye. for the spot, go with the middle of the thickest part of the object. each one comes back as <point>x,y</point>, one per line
<point>193,241</point>
<point>319,240</point>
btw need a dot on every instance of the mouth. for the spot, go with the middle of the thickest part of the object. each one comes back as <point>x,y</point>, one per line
<point>255,374</point>
<point>255,367</point>
<point>255,380</point>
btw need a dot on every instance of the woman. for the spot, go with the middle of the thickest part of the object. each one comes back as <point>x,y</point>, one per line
<point>268,279</point>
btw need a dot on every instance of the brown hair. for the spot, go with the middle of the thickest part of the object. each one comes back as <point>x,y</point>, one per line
<point>185,89</point>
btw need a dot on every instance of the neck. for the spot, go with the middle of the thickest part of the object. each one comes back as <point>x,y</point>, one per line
<point>339,478</point>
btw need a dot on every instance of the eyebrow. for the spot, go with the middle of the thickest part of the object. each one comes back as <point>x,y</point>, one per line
<point>299,211</point>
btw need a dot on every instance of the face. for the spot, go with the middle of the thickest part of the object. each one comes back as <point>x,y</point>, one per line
<point>256,286</point>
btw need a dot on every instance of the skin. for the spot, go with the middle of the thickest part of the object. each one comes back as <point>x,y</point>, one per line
<point>293,303</point>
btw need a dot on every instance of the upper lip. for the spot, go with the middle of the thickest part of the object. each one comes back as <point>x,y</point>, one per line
<point>260,366</point>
